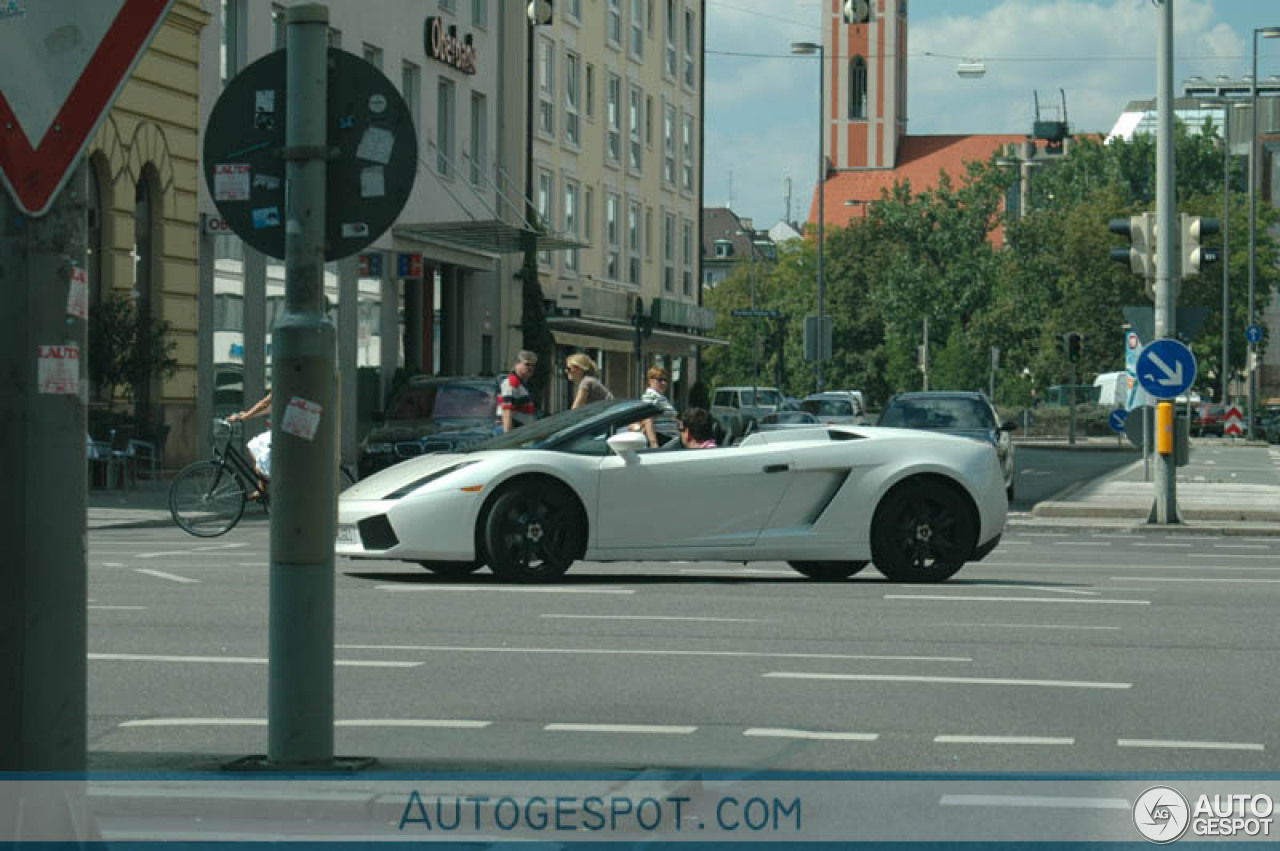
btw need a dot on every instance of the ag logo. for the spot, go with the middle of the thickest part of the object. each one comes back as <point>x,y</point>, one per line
<point>1161,814</point>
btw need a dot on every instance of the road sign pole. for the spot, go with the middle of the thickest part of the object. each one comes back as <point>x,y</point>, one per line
<point>1165,509</point>
<point>304,411</point>
<point>42,506</point>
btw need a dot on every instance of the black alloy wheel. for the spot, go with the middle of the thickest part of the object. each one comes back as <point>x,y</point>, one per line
<point>923,531</point>
<point>533,533</point>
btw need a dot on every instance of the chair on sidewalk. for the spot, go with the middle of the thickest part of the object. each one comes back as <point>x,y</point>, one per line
<point>149,454</point>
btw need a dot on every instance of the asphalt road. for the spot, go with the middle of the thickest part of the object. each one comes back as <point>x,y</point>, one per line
<point>1042,473</point>
<point>1058,653</point>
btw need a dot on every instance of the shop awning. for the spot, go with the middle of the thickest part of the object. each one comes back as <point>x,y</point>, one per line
<point>578,325</point>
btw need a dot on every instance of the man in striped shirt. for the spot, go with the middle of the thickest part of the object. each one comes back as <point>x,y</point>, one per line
<point>515,404</point>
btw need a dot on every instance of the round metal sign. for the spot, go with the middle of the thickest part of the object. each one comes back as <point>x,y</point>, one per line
<point>372,163</point>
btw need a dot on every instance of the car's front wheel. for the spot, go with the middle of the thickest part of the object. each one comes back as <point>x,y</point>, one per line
<point>533,533</point>
<point>923,531</point>
<point>827,571</point>
<point>451,569</point>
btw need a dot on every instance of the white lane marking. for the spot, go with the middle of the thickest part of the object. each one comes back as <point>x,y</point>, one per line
<point>504,589</point>
<point>659,729</point>
<point>1014,599</point>
<point>1242,547</point>
<point>596,651</point>
<point>1085,544</point>
<point>1161,545</point>
<point>1268,557</point>
<point>195,722</point>
<point>235,660</point>
<point>1029,626</point>
<point>1215,579</point>
<point>740,571</point>
<point>160,574</point>
<point>112,564</point>
<point>1173,743</point>
<point>1039,801</point>
<point>977,681</point>
<point>1003,740</point>
<point>1043,535</point>
<point>119,608</point>
<point>211,550</point>
<point>262,722</point>
<point>812,735</point>
<point>1015,543</point>
<point>651,618</point>
<point>1055,590</point>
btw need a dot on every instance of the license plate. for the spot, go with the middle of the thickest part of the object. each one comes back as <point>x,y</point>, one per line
<point>348,535</point>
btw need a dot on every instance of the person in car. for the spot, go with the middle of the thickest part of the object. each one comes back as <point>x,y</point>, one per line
<point>515,404</point>
<point>656,394</point>
<point>697,429</point>
<point>582,371</point>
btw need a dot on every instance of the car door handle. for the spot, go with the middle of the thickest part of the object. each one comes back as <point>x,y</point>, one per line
<point>776,468</point>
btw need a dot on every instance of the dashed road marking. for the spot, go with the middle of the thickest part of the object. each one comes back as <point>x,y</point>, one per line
<point>975,599</point>
<point>952,739</point>
<point>651,618</point>
<point>1174,743</point>
<point>657,729</point>
<point>975,681</point>
<point>812,735</point>
<point>160,574</point>
<point>633,651</point>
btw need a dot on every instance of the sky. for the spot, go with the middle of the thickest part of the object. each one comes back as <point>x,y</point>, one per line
<point>762,119</point>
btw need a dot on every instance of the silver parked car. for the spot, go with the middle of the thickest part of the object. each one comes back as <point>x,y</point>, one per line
<point>836,407</point>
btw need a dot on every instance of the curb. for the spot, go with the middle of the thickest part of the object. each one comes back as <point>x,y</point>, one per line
<point>1083,524</point>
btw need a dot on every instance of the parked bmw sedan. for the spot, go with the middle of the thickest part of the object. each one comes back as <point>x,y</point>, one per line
<point>582,485</point>
<point>962,413</point>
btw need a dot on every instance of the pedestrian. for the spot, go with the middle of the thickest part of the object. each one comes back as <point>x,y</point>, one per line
<point>582,371</point>
<point>259,445</point>
<point>697,429</point>
<point>656,394</point>
<point>515,403</point>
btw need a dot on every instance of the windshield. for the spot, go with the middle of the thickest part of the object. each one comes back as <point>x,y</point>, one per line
<point>550,432</point>
<point>766,397</point>
<point>957,414</point>
<point>445,401</point>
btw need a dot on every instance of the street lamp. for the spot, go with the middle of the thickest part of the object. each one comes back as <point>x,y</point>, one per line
<point>806,48</point>
<point>1267,32</point>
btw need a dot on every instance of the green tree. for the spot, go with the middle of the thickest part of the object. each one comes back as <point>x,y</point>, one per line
<point>126,349</point>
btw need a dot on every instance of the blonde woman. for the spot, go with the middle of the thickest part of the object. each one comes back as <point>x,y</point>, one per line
<point>581,370</point>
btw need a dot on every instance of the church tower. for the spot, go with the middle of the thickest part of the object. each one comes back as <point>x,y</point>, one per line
<point>865,42</point>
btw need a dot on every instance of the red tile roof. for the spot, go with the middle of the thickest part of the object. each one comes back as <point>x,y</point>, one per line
<point>921,159</point>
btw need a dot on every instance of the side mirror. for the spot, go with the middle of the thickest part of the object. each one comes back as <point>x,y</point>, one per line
<point>627,443</point>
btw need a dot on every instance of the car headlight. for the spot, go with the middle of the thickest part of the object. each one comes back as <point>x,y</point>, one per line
<point>430,477</point>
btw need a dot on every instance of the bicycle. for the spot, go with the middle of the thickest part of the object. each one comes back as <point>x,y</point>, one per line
<point>207,498</point>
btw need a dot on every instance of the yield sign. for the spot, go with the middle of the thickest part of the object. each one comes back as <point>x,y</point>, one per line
<point>62,65</point>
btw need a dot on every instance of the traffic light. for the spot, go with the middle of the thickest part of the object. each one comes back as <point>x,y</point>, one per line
<point>540,12</point>
<point>1194,257</point>
<point>1141,232</point>
<point>1073,346</point>
<point>855,11</point>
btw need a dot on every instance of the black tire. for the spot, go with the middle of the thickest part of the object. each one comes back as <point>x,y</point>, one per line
<point>923,531</point>
<point>533,533</point>
<point>206,499</point>
<point>451,569</point>
<point>827,571</point>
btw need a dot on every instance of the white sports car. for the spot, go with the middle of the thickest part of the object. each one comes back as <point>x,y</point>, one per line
<point>581,485</point>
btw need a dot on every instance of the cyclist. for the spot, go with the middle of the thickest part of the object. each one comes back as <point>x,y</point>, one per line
<point>259,446</point>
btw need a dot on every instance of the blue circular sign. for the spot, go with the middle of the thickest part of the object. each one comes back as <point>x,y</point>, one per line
<point>1253,334</point>
<point>1165,368</point>
<point>1117,418</point>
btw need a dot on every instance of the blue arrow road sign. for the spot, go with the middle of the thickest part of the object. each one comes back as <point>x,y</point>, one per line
<point>1166,368</point>
<point>1253,334</point>
<point>1117,418</point>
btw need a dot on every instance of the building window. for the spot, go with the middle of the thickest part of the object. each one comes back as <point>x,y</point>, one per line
<point>686,161</point>
<point>633,242</point>
<point>546,86</point>
<point>479,137</point>
<point>858,88</point>
<point>670,29</point>
<point>690,31</point>
<point>411,90</point>
<point>480,13</point>
<point>648,121</point>
<point>589,96</point>
<point>669,143</point>
<point>613,27</point>
<point>587,197</point>
<point>613,118</point>
<point>686,256</point>
<point>544,210</point>
<point>572,66</point>
<point>372,55</point>
<point>571,222</point>
<point>724,248</point>
<point>648,233</point>
<point>669,253</point>
<point>574,8</point>
<point>635,158</point>
<point>232,47</point>
<point>448,6</point>
<point>637,28</point>
<point>444,127</point>
<point>611,237</point>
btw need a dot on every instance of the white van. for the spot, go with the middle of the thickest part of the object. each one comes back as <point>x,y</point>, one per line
<point>1113,388</point>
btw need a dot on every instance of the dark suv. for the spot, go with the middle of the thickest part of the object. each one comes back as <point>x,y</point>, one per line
<point>431,414</point>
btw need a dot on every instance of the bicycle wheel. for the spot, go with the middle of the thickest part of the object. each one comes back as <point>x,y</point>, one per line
<point>206,499</point>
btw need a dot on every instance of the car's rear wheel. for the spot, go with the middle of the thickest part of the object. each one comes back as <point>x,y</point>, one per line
<point>533,533</point>
<point>827,571</point>
<point>923,531</point>
<point>451,569</point>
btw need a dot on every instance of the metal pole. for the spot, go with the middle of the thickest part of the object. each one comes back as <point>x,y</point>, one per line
<point>304,426</point>
<point>1071,416</point>
<point>1226,251</point>
<point>822,213</point>
<point>1253,223</point>
<point>924,355</point>
<point>1165,510</point>
<point>755,326</point>
<point>43,637</point>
